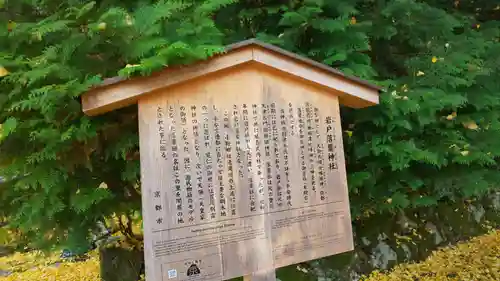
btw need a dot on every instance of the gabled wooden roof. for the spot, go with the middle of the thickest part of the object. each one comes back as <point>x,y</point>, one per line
<point>118,92</point>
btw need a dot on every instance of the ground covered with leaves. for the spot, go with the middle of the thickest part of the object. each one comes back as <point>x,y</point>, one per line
<point>434,137</point>
<point>477,259</point>
<point>38,266</point>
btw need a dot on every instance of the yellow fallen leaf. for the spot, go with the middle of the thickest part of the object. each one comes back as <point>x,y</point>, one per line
<point>102,26</point>
<point>434,59</point>
<point>3,71</point>
<point>451,116</point>
<point>471,125</point>
<point>420,73</point>
<point>478,26</point>
<point>131,65</point>
<point>465,152</point>
<point>11,25</point>
<point>353,20</point>
<point>389,200</point>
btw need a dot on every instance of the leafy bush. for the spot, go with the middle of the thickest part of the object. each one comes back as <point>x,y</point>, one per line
<point>434,137</point>
<point>63,172</point>
<point>477,259</point>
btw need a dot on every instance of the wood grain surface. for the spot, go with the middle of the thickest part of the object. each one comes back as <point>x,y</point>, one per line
<point>117,92</point>
<point>223,198</point>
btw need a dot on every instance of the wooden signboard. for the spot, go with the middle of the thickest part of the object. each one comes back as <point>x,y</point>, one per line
<point>242,162</point>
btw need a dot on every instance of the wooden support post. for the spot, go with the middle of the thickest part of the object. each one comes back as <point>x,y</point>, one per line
<point>261,276</point>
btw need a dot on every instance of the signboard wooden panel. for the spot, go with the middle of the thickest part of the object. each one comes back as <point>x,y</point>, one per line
<point>241,173</point>
<point>242,164</point>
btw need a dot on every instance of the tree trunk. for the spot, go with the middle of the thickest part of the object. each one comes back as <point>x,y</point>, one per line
<point>120,264</point>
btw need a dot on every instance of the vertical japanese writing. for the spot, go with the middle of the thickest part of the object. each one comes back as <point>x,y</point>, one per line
<point>157,198</point>
<point>236,120</point>
<point>198,162</point>
<point>291,117</point>
<point>266,132</point>
<point>258,158</point>
<point>320,157</point>
<point>187,164</point>
<point>229,164</point>
<point>161,132</point>
<point>284,141</point>
<point>175,167</point>
<point>276,150</point>
<point>220,166</point>
<point>310,145</point>
<point>158,207</point>
<point>301,116</point>
<point>208,157</point>
<point>263,151</point>
<point>248,159</point>
<point>330,142</point>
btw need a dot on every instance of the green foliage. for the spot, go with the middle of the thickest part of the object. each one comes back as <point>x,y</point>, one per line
<point>65,172</point>
<point>434,137</point>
